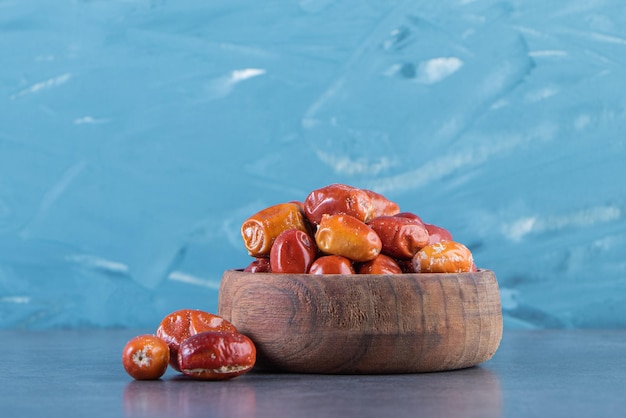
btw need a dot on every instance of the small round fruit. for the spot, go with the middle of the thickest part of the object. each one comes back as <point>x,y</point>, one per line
<point>145,357</point>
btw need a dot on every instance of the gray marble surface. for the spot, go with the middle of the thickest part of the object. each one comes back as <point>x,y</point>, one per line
<point>564,373</point>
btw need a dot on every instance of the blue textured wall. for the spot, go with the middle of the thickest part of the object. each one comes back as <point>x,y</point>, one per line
<point>137,135</point>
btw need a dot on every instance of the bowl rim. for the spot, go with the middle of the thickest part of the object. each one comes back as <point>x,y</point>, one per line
<point>356,275</point>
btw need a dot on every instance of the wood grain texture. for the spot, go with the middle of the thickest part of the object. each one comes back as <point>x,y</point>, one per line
<point>356,324</point>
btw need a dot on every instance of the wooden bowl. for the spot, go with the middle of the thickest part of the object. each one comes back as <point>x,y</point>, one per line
<point>365,324</point>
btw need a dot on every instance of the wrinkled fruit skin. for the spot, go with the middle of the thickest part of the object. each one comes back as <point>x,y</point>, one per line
<point>383,264</point>
<point>443,257</point>
<point>259,265</point>
<point>347,236</point>
<point>216,355</point>
<point>437,234</point>
<point>338,198</point>
<point>401,237</point>
<point>182,324</point>
<point>292,252</point>
<point>382,205</point>
<point>332,264</point>
<point>353,226</point>
<point>261,229</point>
<point>145,357</point>
<point>410,215</point>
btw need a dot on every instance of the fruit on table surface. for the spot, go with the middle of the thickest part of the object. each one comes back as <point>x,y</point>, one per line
<point>216,355</point>
<point>145,357</point>
<point>205,345</point>
<point>177,326</point>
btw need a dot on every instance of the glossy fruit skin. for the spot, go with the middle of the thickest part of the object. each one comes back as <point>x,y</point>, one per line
<point>347,236</point>
<point>145,357</point>
<point>443,257</point>
<point>293,252</point>
<point>216,355</point>
<point>382,205</point>
<point>332,264</point>
<point>437,234</point>
<point>406,265</point>
<point>182,324</point>
<point>259,265</point>
<point>383,264</point>
<point>338,199</point>
<point>410,215</point>
<point>261,229</point>
<point>401,237</point>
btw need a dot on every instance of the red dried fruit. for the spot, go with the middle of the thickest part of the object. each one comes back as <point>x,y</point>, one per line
<point>216,355</point>
<point>332,264</point>
<point>383,264</point>
<point>145,357</point>
<point>259,265</point>
<point>401,237</point>
<point>182,324</point>
<point>437,234</point>
<point>338,199</point>
<point>382,205</point>
<point>292,252</point>
<point>410,215</point>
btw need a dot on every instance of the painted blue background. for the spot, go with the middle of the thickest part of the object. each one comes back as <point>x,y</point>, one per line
<point>137,135</point>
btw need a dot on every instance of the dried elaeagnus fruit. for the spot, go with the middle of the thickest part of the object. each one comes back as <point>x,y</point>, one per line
<point>261,229</point>
<point>145,357</point>
<point>382,264</point>
<point>180,325</point>
<point>338,199</point>
<point>401,237</point>
<point>443,257</point>
<point>347,236</point>
<point>259,265</point>
<point>437,234</point>
<point>292,252</point>
<point>216,355</point>
<point>353,227</point>
<point>332,264</point>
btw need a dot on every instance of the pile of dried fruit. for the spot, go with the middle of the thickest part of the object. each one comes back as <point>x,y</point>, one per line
<point>198,344</point>
<point>340,229</point>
